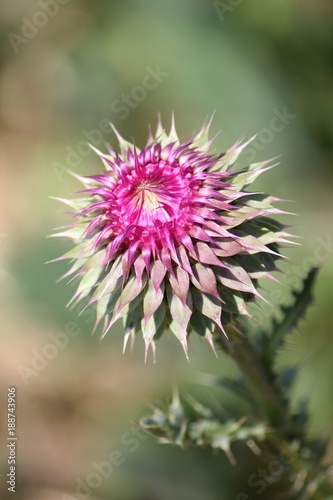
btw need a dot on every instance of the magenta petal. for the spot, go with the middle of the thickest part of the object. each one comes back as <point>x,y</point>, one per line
<point>180,283</point>
<point>157,274</point>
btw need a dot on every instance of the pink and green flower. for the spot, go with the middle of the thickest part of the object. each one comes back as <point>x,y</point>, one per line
<point>169,239</point>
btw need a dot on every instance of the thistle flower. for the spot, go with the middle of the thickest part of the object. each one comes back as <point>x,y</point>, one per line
<point>168,239</point>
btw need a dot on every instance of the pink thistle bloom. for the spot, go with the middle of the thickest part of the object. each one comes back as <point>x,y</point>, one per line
<point>168,239</point>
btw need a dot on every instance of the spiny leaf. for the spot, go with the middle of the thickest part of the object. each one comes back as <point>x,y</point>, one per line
<point>236,386</point>
<point>220,435</point>
<point>291,315</point>
<point>177,426</point>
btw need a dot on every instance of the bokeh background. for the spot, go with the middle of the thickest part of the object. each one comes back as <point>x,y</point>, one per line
<point>68,67</point>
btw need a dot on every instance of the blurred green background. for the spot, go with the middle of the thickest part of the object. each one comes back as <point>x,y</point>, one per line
<point>69,67</point>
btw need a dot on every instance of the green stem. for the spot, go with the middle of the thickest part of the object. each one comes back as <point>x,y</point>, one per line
<point>274,410</point>
<point>303,469</point>
<point>271,403</point>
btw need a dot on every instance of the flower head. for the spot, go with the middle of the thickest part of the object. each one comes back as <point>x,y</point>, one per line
<point>168,238</point>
